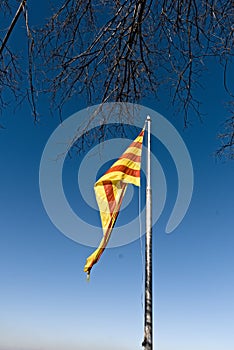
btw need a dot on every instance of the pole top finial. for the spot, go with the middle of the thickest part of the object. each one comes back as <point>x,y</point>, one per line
<point>148,118</point>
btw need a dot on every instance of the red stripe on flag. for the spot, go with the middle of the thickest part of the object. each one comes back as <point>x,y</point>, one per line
<point>131,156</point>
<point>136,144</point>
<point>124,169</point>
<point>108,187</point>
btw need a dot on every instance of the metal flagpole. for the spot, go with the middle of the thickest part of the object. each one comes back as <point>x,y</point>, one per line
<point>148,329</point>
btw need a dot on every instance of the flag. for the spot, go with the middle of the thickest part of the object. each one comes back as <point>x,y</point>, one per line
<point>110,190</point>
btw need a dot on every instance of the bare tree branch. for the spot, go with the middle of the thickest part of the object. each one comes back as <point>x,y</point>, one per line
<point>31,93</point>
<point>227,138</point>
<point>12,25</point>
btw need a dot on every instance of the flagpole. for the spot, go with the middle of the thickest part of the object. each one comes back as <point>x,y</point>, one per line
<point>148,328</point>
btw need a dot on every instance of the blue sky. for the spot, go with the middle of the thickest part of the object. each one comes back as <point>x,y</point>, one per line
<point>46,302</point>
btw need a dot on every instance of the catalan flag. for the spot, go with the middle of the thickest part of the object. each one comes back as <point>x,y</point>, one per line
<point>110,190</point>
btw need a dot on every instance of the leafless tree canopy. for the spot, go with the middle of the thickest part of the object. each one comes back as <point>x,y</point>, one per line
<point>125,50</point>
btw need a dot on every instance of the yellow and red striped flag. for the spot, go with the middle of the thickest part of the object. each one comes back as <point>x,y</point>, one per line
<point>110,190</point>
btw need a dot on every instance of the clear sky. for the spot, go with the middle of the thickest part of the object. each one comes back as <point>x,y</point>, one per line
<point>45,301</point>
